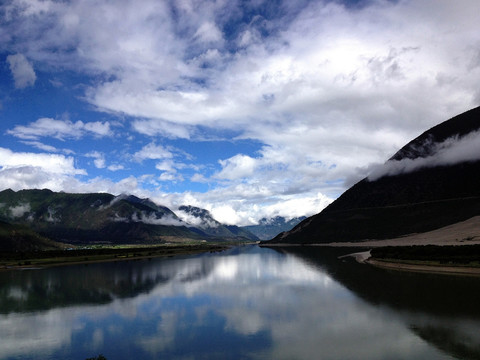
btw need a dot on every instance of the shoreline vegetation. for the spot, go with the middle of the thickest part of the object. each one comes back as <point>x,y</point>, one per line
<point>49,258</point>
<point>418,266</point>
<point>457,260</point>
<point>436,259</point>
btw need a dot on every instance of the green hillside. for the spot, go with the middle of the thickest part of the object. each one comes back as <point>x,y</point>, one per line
<point>96,218</point>
<point>14,238</point>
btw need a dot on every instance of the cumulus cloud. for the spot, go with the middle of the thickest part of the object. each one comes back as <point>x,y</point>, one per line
<point>198,178</point>
<point>22,71</point>
<point>50,163</point>
<point>60,129</point>
<point>32,177</point>
<point>167,166</point>
<point>238,166</point>
<point>152,151</point>
<point>20,177</point>
<point>357,61</point>
<point>20,210</point>
<point>208,32</point>
<point>286,75</point>
<point>152,219</point>
<point>196,221</point>
<point>322,88</point>
<point>99,159</point>
<point>449,152</point>
<point>245,205</point>
<point>115,167</point>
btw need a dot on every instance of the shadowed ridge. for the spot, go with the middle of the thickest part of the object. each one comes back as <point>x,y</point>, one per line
<point>391,206</point>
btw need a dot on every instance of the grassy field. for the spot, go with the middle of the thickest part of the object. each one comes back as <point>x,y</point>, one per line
<point>465,255</point>
<point>99,253</point>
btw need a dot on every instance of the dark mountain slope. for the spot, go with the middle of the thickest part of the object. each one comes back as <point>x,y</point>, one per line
<point>20,238</point>
<point>424,199</point>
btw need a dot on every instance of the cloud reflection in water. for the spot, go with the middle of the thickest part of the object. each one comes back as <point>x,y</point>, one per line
<point>250,303</point>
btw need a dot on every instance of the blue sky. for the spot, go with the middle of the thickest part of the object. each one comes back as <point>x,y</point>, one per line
<point>249,109</point>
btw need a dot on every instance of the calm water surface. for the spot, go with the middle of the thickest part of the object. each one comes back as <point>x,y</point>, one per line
<point>246,303</point>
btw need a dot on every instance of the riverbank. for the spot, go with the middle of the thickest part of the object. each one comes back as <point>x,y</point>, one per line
<point>41,259</point>
<point>415,266</point>
<point>460,235</point>
<point>458,259</point>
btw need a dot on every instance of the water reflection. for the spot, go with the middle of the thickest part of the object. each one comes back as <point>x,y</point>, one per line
<point>245,303</point>
<point>440,309</point>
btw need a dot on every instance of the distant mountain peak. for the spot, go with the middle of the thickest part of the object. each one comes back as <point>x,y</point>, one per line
<point>268,228</point>
<point>197,217</point>
<point>105,218</point>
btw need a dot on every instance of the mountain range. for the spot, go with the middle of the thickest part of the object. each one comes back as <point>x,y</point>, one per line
<point>430,183</point>
<point>33,217</point>
<point>269,228</point>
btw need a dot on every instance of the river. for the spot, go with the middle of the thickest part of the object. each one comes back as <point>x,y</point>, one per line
<point>244,303</point>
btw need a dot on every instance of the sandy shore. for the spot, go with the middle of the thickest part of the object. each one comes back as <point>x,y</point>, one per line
<point>432,269</point>
<point>462,233</point>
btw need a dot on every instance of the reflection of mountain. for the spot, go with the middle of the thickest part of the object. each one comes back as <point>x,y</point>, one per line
<point>435,306</point>
<point>461,345</point>
<point>246,303</point>
<point>430,183</point>
<point>429,293</point>
<point>22,291</point>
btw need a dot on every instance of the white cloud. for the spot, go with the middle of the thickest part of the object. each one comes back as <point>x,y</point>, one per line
<point>166,165</point>
<point>452,151</point>
<point>44,147</point>
<point>198,178</point>
<point>331,84</point>
<point>246,204</point>
<point>208,32</point>
<point>97,128</point>
<point>226,214</point>
<point>329,90</point>
<point>115,167</point>
<point>327,59</point>
<point>100,162</point>
<point>51,163</point>
<point>60,129</point>
<point>22,71</point>
<point>152,151</point>
<point>196,220</point>
<point>30,177</point>
<point>152,219</point>
<point>47,148</point>
<point>99,159</point>
<point>20,210</point>
<point>237,167</point>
